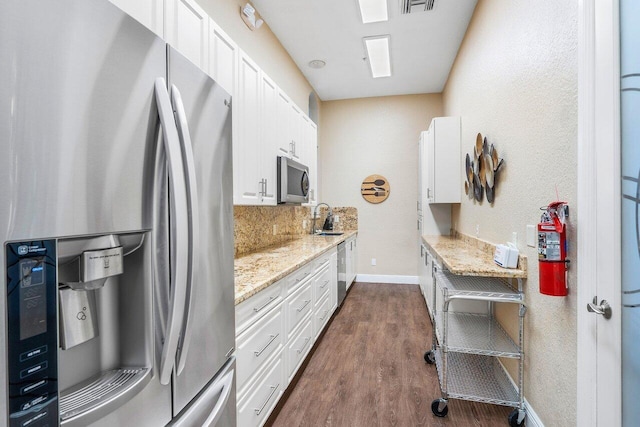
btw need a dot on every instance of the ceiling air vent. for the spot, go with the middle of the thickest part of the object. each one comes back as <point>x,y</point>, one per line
<point>413,6</point>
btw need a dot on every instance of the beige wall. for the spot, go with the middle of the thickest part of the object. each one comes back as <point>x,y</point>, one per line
<point>263,47</point>
<point>515,80</point>
<point>361,137</point>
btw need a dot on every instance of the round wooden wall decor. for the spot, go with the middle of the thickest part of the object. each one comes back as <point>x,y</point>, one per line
<point>375,189</point>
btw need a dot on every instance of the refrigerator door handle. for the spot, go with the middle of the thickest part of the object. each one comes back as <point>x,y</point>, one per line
<point>194,222</point>
<point>202,407</point>
<point>178,232</point>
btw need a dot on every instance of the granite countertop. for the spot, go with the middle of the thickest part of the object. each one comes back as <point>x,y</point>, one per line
<point>257,270</point>
<point>468,256</point>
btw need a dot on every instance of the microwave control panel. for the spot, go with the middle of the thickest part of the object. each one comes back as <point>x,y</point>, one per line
<point>32,333</point>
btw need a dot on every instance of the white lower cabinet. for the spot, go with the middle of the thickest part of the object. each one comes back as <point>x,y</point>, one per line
<point>351,258</point>
<point>297,307</point>
<point>257,403</point>
<point>298,347</point>
<point>321,316</point>
<point>257,343</point>
<point>275,330</point>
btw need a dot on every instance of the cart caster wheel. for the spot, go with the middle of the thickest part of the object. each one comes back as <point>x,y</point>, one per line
<point>439,408</point>
<point>513,419</point>
<point>429,357</point>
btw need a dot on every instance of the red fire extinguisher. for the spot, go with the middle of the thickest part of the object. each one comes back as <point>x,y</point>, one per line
<point>552,249</point>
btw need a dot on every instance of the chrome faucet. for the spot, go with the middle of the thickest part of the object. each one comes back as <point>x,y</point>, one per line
<point>315,211</point>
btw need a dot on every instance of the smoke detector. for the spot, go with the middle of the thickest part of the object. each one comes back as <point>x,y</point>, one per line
<point>413,6</point>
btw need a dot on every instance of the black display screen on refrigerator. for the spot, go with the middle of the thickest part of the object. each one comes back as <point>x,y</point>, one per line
<point>32,333</point>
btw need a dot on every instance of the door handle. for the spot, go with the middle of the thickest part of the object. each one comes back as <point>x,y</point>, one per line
<point>180,230</point>
<point>194,222</point>
<point>603,309</point>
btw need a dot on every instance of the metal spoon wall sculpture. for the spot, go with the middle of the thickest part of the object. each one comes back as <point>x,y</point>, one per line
<point>481,170</point>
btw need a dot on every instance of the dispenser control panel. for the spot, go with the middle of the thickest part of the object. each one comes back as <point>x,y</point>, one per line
<point>32,333</point>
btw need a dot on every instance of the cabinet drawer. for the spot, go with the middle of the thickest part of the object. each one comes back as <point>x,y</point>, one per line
<point>261,398</point>
<point>257,343</point>
<point>247,312</point>
<point>298,348</point>
<point>323,259</point>
<point>298,306</point>
<point>321,284</point>
<point>321,316</point>
<point>299,277</point>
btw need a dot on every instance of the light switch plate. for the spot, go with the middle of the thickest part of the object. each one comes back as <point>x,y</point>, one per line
<point>531,236</point>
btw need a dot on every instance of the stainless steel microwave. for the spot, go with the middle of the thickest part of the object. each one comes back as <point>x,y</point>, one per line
<point>293,181</point>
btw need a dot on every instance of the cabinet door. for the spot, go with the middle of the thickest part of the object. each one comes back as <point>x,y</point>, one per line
<point>188,30</point>
<point>223,58</point>
<point>349,262</point>
<point>444,161</point>
<point>149,13</point>
<point>429,153</point>
<point>311,143</point>
<point>284,137</point>
<point>267,141</point>
<point>295,124</point>
<point>247,179</point>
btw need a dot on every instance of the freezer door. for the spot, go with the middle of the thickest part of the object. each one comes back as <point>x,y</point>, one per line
<point>216,405</point>
<point>211,311</point>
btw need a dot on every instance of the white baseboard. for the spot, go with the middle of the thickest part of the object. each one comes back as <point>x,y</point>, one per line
<point>532,419</point>
<point>383,278</point>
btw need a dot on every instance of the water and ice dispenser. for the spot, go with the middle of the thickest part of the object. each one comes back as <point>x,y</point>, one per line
<point>80,327</point>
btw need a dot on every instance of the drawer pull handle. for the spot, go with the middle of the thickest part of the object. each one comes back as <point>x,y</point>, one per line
<point>257,309</point>
<point>273,337</point>
<point>301,278</point>
<point>306,303</point>
<point>325,284</point>
<point>324,314</point>
<point>273,390</point>
<point>306,341</point>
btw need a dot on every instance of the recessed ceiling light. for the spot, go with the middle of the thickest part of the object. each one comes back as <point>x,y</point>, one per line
<point>373,10</point>
<point>377,48</point>
<point>317,63</point>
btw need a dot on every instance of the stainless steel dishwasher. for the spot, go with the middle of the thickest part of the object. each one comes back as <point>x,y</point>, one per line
<point>342,272</point>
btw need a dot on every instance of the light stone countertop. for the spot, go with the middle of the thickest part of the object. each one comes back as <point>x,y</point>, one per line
<point>468,256</point>
<point>256,271</point>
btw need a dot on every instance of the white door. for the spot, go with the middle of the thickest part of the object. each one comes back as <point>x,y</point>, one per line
<point>248,183</point>
<point>187,30</point>
<point>609,196</point>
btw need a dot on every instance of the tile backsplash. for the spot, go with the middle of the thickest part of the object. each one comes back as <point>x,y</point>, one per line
<point>257,227</point>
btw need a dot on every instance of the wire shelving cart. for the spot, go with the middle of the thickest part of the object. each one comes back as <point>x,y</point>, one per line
<point>466,346</point>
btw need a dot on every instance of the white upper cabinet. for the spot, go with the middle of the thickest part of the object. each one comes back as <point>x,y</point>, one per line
<point>312,161</point>
<point>267,141</point>
<point>187,30</point>
<point>223,58</point>
<point>255,131</point>
<point>443,161</point>
<point>149,13</point>
<point>284,144</point>
<point>248,184</point>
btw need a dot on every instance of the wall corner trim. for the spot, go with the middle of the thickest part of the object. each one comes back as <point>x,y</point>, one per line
<point>383,278</point>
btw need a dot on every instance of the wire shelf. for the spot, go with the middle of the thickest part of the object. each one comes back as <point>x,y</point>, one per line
<point>476,378</point>
<point>476,334</point>
<point>490,288</point>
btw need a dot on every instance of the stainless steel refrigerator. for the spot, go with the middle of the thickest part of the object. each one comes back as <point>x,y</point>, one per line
<point>116,221</point>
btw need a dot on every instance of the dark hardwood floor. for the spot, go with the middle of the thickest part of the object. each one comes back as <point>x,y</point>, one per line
<point>369,370</point>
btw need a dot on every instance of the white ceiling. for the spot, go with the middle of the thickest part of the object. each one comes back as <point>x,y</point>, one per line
<point>423,44</point>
